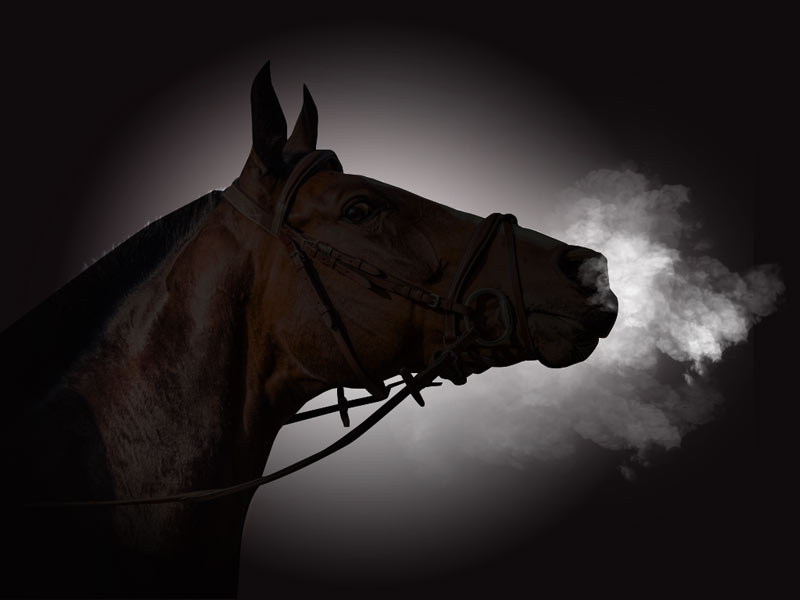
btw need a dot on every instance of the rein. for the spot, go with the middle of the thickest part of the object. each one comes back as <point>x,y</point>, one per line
<point>304,251</point>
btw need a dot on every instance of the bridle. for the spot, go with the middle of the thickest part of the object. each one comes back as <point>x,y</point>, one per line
<point>304,252</point>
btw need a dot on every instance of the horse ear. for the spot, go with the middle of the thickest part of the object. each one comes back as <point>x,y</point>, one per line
<point>304,136</point>
<point>269,124</point>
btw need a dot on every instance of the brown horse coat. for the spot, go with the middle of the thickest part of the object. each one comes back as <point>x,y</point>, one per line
<point>178,357</point>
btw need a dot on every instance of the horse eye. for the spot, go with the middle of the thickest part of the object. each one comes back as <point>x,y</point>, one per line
<point>359,211</point>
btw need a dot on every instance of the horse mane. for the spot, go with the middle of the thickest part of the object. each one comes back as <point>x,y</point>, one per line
<point>38,348</point>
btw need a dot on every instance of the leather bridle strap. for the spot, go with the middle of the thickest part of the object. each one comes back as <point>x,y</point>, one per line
<point>278,227</point>
<point>516,284</point>
<point>481,239</point>
<point>356,269</point>
<point>309,165</point>
<point>331,319</point>
<point>302,251</point>
<point>272,223</point>
<point>366,274</point>
<point>302,248</point>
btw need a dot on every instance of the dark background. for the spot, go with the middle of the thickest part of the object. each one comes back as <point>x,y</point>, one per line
<point>709,517</point>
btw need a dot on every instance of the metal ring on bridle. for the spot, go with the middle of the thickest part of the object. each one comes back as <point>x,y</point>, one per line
<point>505,313</point>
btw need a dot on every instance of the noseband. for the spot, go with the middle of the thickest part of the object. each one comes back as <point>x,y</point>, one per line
<point>305,251</point>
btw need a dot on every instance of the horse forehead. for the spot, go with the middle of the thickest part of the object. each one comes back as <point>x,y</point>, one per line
<point>332,185</point>
<point>327,191</point>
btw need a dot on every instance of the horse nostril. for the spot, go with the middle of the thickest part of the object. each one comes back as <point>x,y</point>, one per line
<point>586,268</point>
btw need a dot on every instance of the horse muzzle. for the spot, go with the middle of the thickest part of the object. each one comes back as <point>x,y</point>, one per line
<point>557,319</point>
<point>568,332</point>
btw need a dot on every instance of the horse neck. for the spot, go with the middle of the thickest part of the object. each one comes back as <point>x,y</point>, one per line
<point>178,380</point>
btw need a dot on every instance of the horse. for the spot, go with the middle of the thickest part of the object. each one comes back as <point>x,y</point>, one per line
<point>143,397</point>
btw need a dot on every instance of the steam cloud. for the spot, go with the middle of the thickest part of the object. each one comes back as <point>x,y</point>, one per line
<point>675,304</point>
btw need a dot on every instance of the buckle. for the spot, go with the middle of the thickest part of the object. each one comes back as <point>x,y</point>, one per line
<point>298,257</point>
<point>437,301</point>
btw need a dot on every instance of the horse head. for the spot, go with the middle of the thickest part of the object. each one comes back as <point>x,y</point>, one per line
<point>400,280</point>
<point>244,305</point>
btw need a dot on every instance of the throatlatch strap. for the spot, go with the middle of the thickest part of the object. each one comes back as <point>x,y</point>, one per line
<point>276,225</point>
<point>330,318</point>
